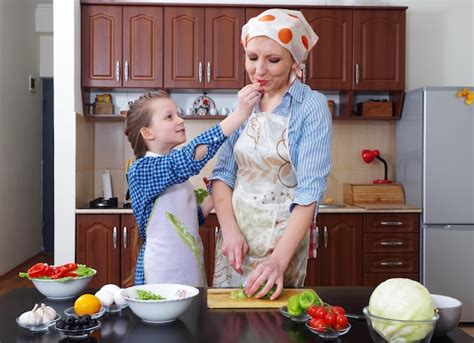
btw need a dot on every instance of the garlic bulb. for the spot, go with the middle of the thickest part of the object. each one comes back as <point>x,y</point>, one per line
<point>31,317</point>
<point>49,312</point>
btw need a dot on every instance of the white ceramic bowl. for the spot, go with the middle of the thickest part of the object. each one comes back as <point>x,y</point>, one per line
<point>449,311</point>
<point>178,298</point>
<point>58,290</point>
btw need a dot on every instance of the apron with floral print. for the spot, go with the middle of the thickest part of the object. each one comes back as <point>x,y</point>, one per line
<point>263,192</point>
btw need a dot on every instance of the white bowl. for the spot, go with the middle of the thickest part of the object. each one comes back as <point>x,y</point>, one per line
<point>178,298</point>
<point>57,290</point>
<point>449,311</point>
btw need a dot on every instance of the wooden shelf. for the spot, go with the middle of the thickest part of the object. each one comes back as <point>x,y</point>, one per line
<point>204,117</point>
<point>105,117</point>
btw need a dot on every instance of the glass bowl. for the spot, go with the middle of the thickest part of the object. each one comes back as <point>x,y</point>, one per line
<point>39,327</point>
<point>80,333</point>
<point>114,308</point>
<point>391,330</point>
<point>304,317</point>
<point>329,333</point>
<point>69,312</point>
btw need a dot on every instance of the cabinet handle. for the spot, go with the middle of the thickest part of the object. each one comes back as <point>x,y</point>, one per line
<point>326,238</point>
<point>304,72</point>
<point>391,244</point>
<point>125,71</point>
<point>125,237</point>
<point>391,223</point>
<point>216,231</point>
<point>117,71</point>
<point>114,238</point>
<point>317,238</point>
<point>357,74</point>
<point>391,264</point>
<point>200,72</point>
<point>208,72</point>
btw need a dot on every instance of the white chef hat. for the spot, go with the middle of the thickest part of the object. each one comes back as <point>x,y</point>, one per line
<point>286,27</point>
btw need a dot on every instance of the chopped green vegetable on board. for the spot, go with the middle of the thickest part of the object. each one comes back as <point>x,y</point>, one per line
<point>201,194</point>
<point>240,293</point>
<point>147,295</point>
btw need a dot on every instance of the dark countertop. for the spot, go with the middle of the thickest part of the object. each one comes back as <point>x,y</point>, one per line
<point>198,323</point>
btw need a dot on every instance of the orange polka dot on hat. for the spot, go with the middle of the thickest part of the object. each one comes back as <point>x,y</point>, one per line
<point>288,28</point>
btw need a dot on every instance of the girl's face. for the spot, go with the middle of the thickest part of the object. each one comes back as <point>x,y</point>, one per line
<point>166,129</point>
<point>268,63</point>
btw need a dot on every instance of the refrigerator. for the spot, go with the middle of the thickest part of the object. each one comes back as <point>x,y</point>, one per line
<point>435,164</point>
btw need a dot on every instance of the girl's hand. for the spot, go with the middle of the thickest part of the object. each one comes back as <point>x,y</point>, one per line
<point>268,274</point>
<point>247,98</point>
<point>234,247</point>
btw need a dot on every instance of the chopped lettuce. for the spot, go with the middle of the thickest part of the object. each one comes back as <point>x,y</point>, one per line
<point>147,295</point>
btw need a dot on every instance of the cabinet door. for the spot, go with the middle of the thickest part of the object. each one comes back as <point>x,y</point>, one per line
<point>329,64</point>
<point>101,46</point>
<point>142,46</point>
<point>342,261</point>
<point>207,233</point>
<point>224,55</point>
<point>184,47</point>
<point>98,246</point>
<point>313,269</point>
<point>379,49</point>
<point>130,248</point>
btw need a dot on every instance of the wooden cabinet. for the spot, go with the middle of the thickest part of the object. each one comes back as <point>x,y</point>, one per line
<point>391,247</point>
<point>122,46</point>
<point>208,236</point>
<point>339,261</point>
<point>202,47</point>
<point>110,244</point>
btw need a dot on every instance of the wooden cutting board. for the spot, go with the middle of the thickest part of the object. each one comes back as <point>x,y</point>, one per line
<point>220,298</point>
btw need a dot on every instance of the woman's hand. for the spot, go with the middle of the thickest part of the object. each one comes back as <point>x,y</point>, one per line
<point>234,247</point>
<point>247,98</point>
<point>268,273</point>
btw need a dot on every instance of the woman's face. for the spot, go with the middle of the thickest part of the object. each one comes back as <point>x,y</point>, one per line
<point>268,63</point>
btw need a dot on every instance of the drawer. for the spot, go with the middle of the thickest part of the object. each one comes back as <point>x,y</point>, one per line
<point>391,222</point>
<point>376,279</point>
<point>390,242</point>
<point>391,263</point>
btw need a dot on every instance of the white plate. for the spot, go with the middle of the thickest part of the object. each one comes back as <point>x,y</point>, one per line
<point>69,312</point>
<point>302,318</point>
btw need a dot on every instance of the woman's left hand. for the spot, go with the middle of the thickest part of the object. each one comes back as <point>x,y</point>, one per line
<point>270,272</point>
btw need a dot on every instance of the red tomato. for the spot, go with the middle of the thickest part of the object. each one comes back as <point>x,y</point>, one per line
<point>37,270</point>
<point>341,320</point>
<point>57,273</point>
<point>69,267</point>
<point>318,324</point>
<point>338,310</point>
<point>330,318</point>
<point>312,311</point>
<point>321,312</point>
<point>336,327</point>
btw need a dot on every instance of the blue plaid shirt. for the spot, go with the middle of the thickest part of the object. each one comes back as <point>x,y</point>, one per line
<point>309,142</point>
<point>150,176</point>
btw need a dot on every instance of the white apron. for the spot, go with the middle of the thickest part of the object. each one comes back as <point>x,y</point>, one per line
<point>264,189</point>
<point>174,252</point>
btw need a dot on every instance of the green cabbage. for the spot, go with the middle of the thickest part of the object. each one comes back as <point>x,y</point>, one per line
<point>402,299</point>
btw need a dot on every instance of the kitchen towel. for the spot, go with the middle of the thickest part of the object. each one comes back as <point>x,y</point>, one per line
<point>107,185</point>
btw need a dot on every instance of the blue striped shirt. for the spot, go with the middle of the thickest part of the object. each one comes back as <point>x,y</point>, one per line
<point>309,139</point>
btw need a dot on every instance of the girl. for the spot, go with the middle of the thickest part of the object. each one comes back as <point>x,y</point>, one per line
<point>163,200</point>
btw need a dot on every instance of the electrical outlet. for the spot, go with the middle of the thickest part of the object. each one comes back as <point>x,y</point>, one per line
<point>32,83</point>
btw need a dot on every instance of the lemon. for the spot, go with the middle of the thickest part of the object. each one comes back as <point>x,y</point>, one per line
<point>86,304</point>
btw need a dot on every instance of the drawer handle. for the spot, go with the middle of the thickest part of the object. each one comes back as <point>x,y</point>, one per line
<point>391,223</point>
<point>216,231</point>
<point>317,238</point>
<point>391,244</point>
<point>391,264</point>
<point>326,239</point>
<point>114,238</point>
<point>125,237</point>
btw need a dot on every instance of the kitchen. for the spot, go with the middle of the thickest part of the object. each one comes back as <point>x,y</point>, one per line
<point>100,138</point>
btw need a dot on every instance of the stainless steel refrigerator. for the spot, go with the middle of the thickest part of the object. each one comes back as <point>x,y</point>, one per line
<point>435,164</point>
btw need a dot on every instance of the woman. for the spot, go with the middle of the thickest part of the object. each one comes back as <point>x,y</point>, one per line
<point>272,172</point>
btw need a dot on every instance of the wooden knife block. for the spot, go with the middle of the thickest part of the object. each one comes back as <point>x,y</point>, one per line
<point>391,193</point>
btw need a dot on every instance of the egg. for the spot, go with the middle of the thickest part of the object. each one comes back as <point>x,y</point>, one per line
<point>111,288</point>
<point>106,298</point>
<point>119,300</point>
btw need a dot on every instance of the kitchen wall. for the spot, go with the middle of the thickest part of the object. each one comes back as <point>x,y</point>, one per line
<point>439,52</point>
<point>20,135</point>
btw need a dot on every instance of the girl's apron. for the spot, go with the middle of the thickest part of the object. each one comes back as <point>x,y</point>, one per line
<point>173,249</point>
<point>263,192</point>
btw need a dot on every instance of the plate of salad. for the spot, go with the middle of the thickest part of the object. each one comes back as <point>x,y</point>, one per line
<point>60,281</point>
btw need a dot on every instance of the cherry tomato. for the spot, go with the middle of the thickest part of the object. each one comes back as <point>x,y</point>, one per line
<point>341,320</point>
<point>330,318</point>
<point>312,311</point>
<point>337,327</point>
<point>37,270</point>
<point>318,324</point>
<point>338,310</point>
<point>321,312</point>
<point>69,267</point>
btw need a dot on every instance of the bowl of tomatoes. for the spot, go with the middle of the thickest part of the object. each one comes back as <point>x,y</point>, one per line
<point>61,281</point>
<point>328,322</point>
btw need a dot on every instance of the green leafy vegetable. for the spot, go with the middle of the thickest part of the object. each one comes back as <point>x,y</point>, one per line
<point>147,295</point>
<point>201,194</point>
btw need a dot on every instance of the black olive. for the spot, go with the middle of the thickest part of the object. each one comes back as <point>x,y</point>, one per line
<point>70,320</point>
<point>60,324</point>
<point>67,327</point>
<point>87,317</point>
<point>94,322</point>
